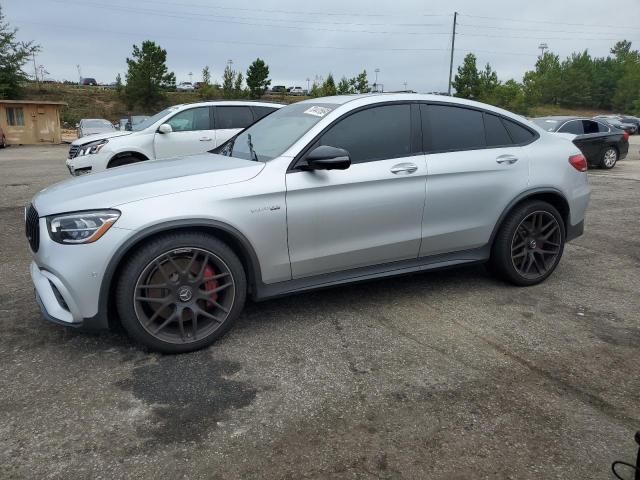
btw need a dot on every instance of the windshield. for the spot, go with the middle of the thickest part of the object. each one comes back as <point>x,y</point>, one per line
<point>97,124</point>
<point>275,133</point>
<point>153,119</point>
<point>547,124</point>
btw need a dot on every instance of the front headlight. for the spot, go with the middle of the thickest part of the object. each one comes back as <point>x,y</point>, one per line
<point>91,148</point>
<point>81,227</point>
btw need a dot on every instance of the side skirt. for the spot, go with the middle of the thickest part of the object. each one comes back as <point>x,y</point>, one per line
<point>404,267</point>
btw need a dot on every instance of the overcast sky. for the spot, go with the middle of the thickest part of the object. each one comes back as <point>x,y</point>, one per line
<point>407,40</point>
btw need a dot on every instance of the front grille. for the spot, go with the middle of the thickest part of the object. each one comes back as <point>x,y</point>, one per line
<point>73,151</point>
<point>32,228</point>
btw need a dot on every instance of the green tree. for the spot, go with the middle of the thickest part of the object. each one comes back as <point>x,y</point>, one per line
<point>542,85</point>
<point>119,85</point>
<point>258,78</point>
<point>228,77</point>
<point>577,81</point>
<point>344,87</point>
<point>14,55</point>
<point>488,82</point>
<point>510,96</point>
<point>467,80</point>
<point>361,83</point>
<point>329,86</point>
<point>148,75</point>
<point>206,76</point>
<point>315,91</point>
<point>237,85</point>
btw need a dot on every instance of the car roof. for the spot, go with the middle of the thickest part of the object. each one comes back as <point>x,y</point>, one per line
<point>559,118</point>
<point>229,103</point>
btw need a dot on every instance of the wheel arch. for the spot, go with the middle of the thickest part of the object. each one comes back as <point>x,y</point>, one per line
<point>552,196</point>
<point>128,153</point>
<point>226,233</point>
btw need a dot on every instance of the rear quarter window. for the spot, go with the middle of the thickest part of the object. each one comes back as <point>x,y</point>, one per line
<point>519,134</point>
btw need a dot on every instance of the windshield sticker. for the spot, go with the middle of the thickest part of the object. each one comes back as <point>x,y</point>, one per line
<point>317,111</point>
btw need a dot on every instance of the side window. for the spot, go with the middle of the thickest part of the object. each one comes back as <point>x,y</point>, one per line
<point>519,134</point>
<point>233,117</point>
<point>260,112</point>
<point>602,128</point>
<point>495,131</point>
<point>454,128</point>
<point>589,126</point>
<point>376,133</point>
<point>574,127</point>
<point>190,120</point>
<point>15,116</point>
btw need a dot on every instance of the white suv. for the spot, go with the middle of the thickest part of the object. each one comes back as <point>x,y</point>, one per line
<point>177,131</point>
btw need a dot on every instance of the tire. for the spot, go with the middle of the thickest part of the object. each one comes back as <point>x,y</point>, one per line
<point>520,253</point>
<point>125,160</point>
<point>173,313</point>
<point>609,158</point>
<point>3,142</point>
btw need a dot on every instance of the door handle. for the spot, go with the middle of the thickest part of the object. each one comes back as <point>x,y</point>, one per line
<point>206,139</point>
<point>404,168</point>
<point>508,159</point>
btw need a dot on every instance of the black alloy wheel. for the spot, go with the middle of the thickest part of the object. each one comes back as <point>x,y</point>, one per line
<point>529,243</point>
<point>181,298</point>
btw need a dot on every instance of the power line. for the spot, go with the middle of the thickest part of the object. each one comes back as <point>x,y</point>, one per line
<point>485,35</point>
<point>539,30</point>
<point>211,19</point>
<point>290,12</point>
<point>229,42</point>
<point>547,22</point>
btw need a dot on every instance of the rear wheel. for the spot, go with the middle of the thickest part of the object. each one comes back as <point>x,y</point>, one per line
<point>609,158</point>
<point>529,244</point>
<point>181,292</point>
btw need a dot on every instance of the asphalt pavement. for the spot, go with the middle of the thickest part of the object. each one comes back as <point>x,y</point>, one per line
<point>445,375</point>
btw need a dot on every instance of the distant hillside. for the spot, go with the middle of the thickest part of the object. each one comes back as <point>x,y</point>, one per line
<point>97,102</point>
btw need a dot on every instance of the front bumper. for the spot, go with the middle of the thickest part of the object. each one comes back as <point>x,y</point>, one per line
<point>84,164</point>
<point>68,278</point>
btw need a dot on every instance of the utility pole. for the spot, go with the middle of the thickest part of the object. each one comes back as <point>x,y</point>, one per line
<point>453,46</point>
<point>35,68</point>
<point>543,47</point>
<point>308,80</point>
<point>79,75</point>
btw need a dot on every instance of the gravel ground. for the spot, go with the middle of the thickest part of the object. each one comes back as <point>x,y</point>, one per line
<point>447,375</point>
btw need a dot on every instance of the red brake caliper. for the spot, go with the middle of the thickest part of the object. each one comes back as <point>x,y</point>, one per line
<point>210,284</point>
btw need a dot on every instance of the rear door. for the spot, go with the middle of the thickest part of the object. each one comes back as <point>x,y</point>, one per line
<point>370,213</point>
<point>477,165</point>
<point>192,133</point>
<point>592,141</point>
<point>229,120</point>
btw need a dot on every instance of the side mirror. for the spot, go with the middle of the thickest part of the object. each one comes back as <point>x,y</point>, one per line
<point>165,128</point>
<point>326,157</point>
<point>77,125</point>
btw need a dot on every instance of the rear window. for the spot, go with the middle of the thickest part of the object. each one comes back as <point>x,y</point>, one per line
<point>260,112</point>
<point>495,131</point>
<point>233,117</point>
<point>518,133</point>
<point>454,128</point>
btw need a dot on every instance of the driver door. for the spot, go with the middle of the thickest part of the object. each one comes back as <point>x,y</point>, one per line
<point>192,133</point>
<point>370,213</point>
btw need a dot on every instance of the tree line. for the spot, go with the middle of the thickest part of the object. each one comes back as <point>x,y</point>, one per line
<point>580,80</point>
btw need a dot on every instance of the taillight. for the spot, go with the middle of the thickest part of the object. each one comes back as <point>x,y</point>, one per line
<point>625,136</point>
<point>578,162</point>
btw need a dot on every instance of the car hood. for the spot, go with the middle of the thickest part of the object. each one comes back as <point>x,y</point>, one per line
<point>135,182</point>
<point>97,131</point>
<point>98,136</point>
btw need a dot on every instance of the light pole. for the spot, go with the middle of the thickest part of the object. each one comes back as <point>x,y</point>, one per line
<point>190,77</point>
<point>543,47</point>
<point>377,70</point>
<point>405,86</point>
<point>79,75</point>
<point>308,80</point>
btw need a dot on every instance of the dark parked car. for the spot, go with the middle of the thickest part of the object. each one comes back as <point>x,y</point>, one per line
<point>602,144</point>
<point>617,122</point>
<point>630,119</point>
<point>89,81</point>
<point>279,89</point>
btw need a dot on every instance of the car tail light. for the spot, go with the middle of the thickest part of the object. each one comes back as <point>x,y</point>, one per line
<point>625,136</point>
<point>578,162</point>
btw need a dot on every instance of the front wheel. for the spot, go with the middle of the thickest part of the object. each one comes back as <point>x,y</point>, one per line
<point>609,158</point>
<point>181,292</point>
<point>125,160</point>
<point>529,244</point>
